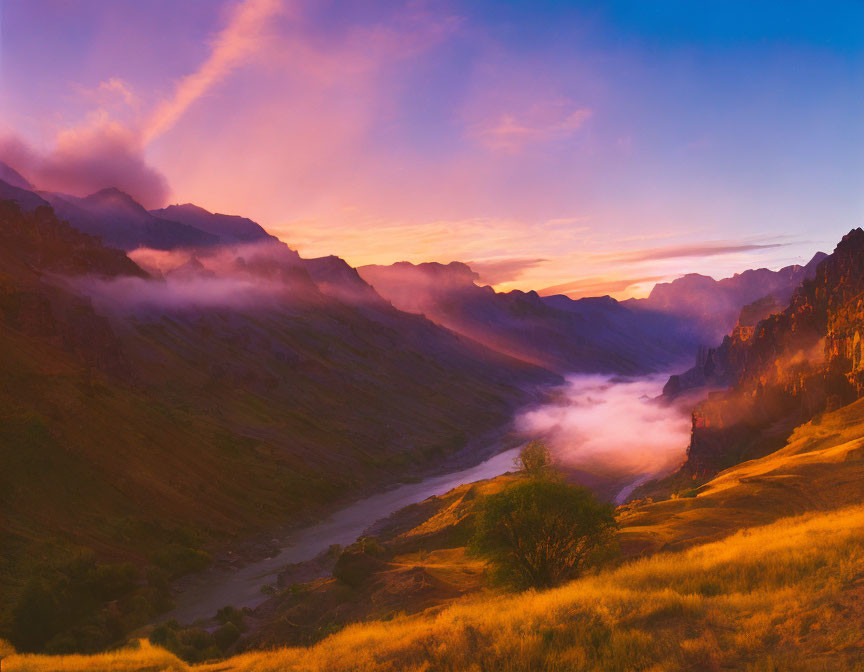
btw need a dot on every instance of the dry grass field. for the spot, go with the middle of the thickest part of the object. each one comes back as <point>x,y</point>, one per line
<point>761,569</point>
<point>786,596</point>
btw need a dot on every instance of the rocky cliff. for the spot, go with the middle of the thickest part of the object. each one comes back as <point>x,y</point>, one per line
<point>712,306</point>
<point>787,368</point>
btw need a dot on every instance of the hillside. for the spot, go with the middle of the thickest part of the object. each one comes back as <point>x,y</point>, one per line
<point>153,421</point>
<point>587,336</point>
<point>731,578</point>
<point>416,560</point>
<point>765,598</point>
<point>711,307</point>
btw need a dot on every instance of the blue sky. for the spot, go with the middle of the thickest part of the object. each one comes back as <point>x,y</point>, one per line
<point>548,142</point>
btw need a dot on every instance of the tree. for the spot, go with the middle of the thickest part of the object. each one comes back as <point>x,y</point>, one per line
<point>536,460</point>
<point>540,533</point>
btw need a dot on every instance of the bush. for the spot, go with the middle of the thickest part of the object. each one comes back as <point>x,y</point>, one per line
<point>178,559</point>
<point>540,533</point>
<point>536,460</point>
<point>360,561</point>
<point>83,606</point>
<point>195,645</point>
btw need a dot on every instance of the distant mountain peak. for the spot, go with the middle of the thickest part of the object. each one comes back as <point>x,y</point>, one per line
<point>113,197</point>
<point>229,228</point>
<point>11,176</point>
<point>454,273</point>
<point>190,208</point>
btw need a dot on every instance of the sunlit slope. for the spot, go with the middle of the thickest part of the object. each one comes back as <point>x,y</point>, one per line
<point>766,598</point>
<point>820,468</point>
<point>130,433</point>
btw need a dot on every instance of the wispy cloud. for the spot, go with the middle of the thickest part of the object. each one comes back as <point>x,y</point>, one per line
<point>496,271</point>
<point>106,149</point>
<point>510,131</point>
<point>711,249</point>
<point>596,286</point>
<point>232,46</point>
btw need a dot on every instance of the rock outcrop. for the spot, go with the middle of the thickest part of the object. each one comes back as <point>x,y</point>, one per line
<point>787,368</point>
<point>712,306</point>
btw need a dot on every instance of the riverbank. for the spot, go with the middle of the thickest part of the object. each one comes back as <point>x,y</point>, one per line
<point>238,576</point>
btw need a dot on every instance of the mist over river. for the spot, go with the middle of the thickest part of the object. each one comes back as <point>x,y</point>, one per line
<point>611,426</point>
<point>608,426</point>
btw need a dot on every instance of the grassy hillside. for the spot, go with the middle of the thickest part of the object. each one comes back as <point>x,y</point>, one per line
<point>821,467</point>
<point>760,569</point>
<point>157,436</point>
<point>765,598</point>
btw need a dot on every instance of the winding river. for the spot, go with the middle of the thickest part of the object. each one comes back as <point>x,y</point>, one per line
<point>242,587</point>
<point>595,420</point>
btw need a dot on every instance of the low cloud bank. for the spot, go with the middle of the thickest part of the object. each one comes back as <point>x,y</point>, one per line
<point>239,277</point>
<point>135,294</point>
<point>89,158</point>
<point>612,426</point>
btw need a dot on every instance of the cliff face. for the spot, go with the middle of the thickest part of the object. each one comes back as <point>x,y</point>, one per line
<point>718,367</point>
<point>787,368</point>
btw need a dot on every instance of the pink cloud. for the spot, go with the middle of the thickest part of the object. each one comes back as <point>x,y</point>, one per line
<point>540,123</point>
<point>235,44</point>
<point>101,153</point>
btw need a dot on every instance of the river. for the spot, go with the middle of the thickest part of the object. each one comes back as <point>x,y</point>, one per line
<point>595,420</point>
<point>242,587</point>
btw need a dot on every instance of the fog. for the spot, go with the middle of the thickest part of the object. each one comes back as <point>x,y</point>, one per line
<point>611,426</point>
<point>238,277</point>
<point>135,294</point>
<point>87,159</point>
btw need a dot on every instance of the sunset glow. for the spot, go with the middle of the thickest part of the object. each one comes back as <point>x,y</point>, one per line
<point>597,147</point>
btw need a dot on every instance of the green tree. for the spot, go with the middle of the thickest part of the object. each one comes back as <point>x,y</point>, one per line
<point>536,460</point>
<point>540,533</point>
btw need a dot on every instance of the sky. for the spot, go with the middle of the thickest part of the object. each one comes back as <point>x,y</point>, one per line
<point>583,147</point>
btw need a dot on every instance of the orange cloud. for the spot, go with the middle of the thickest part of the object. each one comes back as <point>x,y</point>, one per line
<point>597,286</point>
<point>240,39</point>
<point>497,271</point>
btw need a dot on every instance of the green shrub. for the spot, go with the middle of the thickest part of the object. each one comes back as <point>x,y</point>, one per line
<point>535,460</point>
<point>540,533</point>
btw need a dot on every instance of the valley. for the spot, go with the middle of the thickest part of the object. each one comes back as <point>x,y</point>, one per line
<point>431,336</point>
<point>216,446</point>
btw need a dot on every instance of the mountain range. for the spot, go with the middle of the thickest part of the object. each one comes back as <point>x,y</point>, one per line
<point>197,378</point>
<point>782,364</point>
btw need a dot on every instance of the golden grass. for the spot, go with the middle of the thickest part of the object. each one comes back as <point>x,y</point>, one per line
<point>820,468</point>
<point>786,596</point>
<point>139,658</point>
<point>6,649</point>
<point>778,597</point>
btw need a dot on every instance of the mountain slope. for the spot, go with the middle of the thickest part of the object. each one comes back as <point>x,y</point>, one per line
<point>149,419</point>
<point>119,221</point>
<point>228,228</point>
<point>557,333</point>
<point>12,177</point>
<point>712,306</point>
<point>25,198</point>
